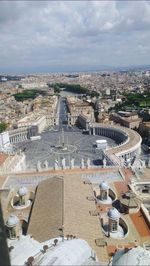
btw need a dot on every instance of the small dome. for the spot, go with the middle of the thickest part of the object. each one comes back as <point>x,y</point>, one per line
<point>104,185</point>
<point>22,191</point>
<point>12,220</point>
<point>135,256</point>
<point>113,214</point>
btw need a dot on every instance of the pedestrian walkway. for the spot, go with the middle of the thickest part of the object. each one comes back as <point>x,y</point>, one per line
<point>28,178</point>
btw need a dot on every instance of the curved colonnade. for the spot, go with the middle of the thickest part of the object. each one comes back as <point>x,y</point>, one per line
<point>18,135</point>
<point>128,140</point>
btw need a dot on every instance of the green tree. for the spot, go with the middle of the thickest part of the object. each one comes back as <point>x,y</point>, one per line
<point>3,127</point>
<point>26,94</point>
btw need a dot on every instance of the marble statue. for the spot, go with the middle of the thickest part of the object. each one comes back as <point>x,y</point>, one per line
<point>104,162</point>
<point>82,163</point>
<point>63,163</point>
<point>38,166</point>
<point>56,164</point>
<point>148,163</point>
<point>72,163</point>
<point>46,164</point>
<point>88,163</point>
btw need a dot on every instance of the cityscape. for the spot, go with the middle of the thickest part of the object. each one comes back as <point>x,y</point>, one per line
<point>74,133</point>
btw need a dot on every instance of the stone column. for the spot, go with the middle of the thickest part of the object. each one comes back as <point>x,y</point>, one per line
<point>93,130</point>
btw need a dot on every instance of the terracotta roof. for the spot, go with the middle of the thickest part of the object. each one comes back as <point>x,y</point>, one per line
<point>3,157</point>
<point>140,224</point>
<point>121,187</point>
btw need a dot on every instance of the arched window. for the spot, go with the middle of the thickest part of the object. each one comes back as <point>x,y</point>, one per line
<point>114,226</point>
<point>22,200</point>
<point>12,232</point>
<point>104,195</point>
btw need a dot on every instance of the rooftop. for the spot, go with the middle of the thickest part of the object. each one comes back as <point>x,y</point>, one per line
<point>70,252</point>
<point>134,256</point>
<point>49,214</point>
<point>3,157</point>
<point>46,216</point>
<point>77,218</point>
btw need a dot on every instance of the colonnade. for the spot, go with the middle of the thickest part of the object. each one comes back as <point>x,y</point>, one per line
<point>129,141</point>
<point>18,137</point>
<point>116,135</point>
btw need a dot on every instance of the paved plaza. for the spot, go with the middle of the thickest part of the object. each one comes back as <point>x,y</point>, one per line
<point>49,148</point>
<point>60,142</point>
<point>98,177</point>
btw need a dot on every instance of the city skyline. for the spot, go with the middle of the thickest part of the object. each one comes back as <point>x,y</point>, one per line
<point>67,36</point>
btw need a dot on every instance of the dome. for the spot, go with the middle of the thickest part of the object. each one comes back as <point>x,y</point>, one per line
<point>12,220</point>
<point>74,252</point>
<point>22,191</point>
<point>113,214</point>
<point>135,256</point>
<point>104,185</point>
<point>71,252</point>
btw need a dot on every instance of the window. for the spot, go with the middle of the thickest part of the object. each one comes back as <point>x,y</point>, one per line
<point>114,226</point>
<point>22,200</point>
<point>104,195</point>
<point>145,190</point>
<point>12,232</point>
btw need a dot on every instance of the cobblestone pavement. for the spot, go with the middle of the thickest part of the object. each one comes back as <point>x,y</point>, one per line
<point>49,148</point>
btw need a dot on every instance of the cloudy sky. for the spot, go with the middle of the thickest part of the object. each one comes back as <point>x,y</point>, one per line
<point>73,35</point>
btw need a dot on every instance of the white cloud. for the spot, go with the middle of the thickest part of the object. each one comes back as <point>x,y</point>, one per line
<point>53,33</point>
